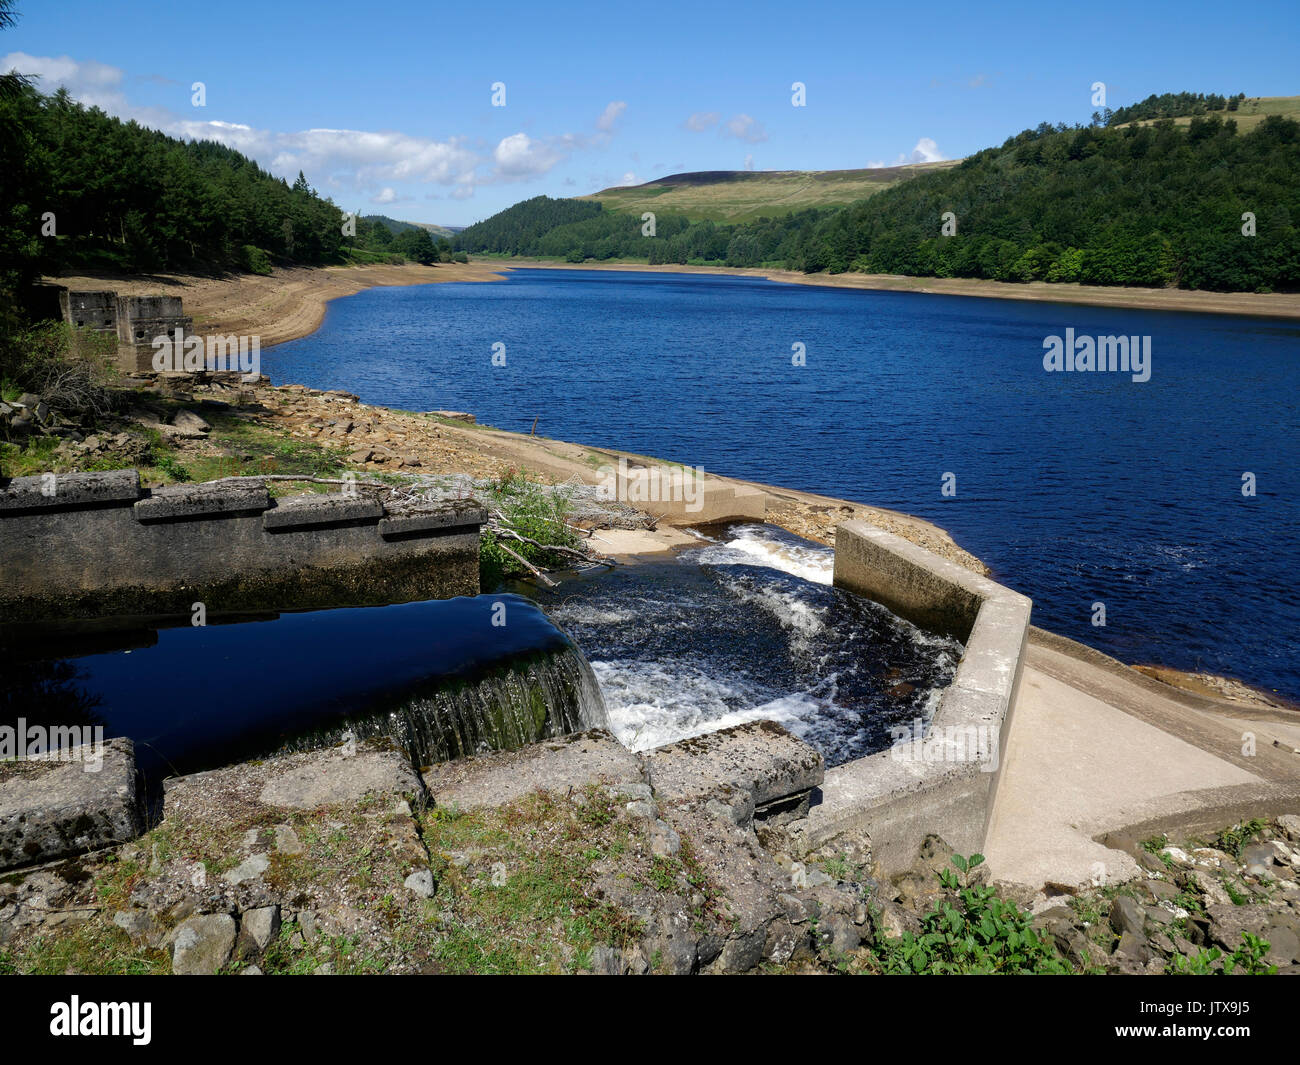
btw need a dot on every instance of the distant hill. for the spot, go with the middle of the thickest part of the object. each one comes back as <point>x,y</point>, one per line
<point>1153,197</point>
<point>746,195</point>
<point>1249,112</point>
<point>395,226</point>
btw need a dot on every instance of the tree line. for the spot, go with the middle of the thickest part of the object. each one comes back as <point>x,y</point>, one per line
<point>1197,206</point>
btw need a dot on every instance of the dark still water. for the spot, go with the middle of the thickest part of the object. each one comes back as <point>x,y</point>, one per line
<point>1077,488</point>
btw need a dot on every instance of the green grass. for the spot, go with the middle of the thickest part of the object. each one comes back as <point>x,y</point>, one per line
<point>744,195</point>
<point>1248,115</point>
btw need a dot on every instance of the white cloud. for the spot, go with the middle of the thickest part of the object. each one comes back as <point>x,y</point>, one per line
<point>926,151</point>
<point>519,156</point>
<point>702,120</point>
<point>340,162</point>
<point>749,161</point>
<point>629,179</point>
<point>614,109</point>
<point>745,128</point>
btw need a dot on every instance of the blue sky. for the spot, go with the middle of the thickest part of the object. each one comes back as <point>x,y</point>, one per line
<point>388,108</point>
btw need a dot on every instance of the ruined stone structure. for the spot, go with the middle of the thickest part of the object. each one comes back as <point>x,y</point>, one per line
<point>133,321</point>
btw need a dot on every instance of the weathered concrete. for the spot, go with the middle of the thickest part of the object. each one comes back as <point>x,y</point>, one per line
<point>1103,757</point>
<point>77,545</point>
<point>51,809</point>
<point>946,784</point>
<point>759,757</point>
<point>305,781</point>
<point>503,776</point>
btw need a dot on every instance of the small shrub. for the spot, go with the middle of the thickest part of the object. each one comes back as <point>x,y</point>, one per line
<point>972,930</point>
<point>255,260</point>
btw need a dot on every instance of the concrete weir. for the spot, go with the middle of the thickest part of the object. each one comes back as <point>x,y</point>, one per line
<point>86,544</point>
<point>944,783</point>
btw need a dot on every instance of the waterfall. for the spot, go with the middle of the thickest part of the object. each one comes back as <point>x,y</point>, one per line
<point>534,695</point>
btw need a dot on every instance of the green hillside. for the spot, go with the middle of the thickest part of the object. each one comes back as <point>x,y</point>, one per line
<point>746,195</point>
<point>1152,201</point>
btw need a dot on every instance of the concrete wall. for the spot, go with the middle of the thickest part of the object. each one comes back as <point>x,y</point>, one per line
<point>78,545</point>
<point>949,789</point>
<point>133,321</point>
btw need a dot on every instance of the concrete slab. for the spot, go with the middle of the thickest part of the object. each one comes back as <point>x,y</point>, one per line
<point>759,757</point>
<point>51,809</point>
<point>1077,766</point>
<point>561,764</point>
<point>306,781</point>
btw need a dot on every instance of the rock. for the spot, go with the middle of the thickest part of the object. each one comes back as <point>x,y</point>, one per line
<point>287,841</point>
<point>1158,917</point>
<point>664,840</point>
<point>1127,916</point>
<point>1284,944</point>
<point>251,970</point>
<point>839,934</point>
<point>642,809</point>
<point>742,953</point>
<point>1160,889</point>
<point>1290,826</point>
<point>422,883</point>
<point>88,799</point>
<point>202,945</point>
<point>189,422</point>
<point>361,455</point>
<point>608,961</point>
<point>260,925</point>
<point>795,911</point>
<point>892,921</point>
<point>137,924</point>
<point>1210,886</point>
<point>499,874</point>
<point>308,926</point>
<point>28,399</point>
<point>1257,859</point>
<point>803,877</point>
<point>783,941</point>
<point>1134,947</point>
<point>249,869</point>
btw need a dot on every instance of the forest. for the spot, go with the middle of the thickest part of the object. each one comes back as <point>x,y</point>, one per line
<point>1197,206</point>
<point>81,190</point>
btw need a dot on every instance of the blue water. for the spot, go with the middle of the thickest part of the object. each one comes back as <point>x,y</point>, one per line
<point>1074,488</point>
<point>197,697</point>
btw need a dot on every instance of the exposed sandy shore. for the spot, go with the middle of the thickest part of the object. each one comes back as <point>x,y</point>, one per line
<point>1267,305</point>
<point>290,304</point>
<point>287,305</point>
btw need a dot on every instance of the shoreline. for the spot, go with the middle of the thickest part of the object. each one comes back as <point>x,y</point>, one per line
<point>1195,301</point>
<point>291,304</point>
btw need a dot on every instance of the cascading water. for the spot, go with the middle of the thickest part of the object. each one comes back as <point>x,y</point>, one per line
<point>748,626</point>
<point>443,679</point>
<point>531,697</point>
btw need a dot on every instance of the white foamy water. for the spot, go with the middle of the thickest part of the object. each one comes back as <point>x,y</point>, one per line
<point>653,703</point>
<point>755,545</point>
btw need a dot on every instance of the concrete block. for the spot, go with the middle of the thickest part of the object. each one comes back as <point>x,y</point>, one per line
<point>397,526</point>
<point>51,809</point>
<point>70,490</point>
<point>558,765</point>
<point>302,512</point>
<point>185,502</point>
<point>760,757</point>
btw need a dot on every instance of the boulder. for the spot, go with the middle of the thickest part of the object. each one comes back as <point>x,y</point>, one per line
<point>202,945</point>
